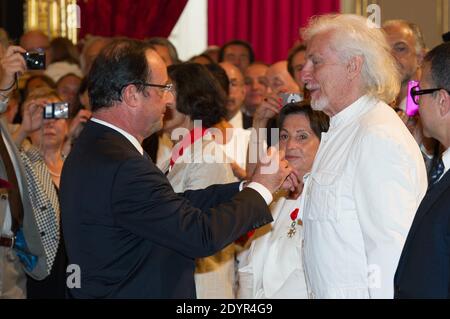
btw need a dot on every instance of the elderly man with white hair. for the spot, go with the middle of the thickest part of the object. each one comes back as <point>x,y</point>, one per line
<point>368,176</point>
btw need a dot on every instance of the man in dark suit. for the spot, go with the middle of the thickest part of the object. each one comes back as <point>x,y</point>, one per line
<point>126,229</point>
<point>424,267</point>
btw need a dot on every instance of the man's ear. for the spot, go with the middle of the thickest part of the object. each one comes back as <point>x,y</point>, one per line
<point>130,95</point>
<point>444,103</point>
<point>354,66</point>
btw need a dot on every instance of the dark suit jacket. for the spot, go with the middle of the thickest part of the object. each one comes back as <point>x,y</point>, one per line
<point>424,267</point>
<point>131,235</point>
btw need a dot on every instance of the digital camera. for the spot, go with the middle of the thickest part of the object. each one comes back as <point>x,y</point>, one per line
<point>35,60</point>
<point>58,110</point>
<point>290,98</point>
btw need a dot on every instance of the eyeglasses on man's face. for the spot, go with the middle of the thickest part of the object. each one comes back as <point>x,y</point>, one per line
<point>166,88</point>
<point>416,92</point>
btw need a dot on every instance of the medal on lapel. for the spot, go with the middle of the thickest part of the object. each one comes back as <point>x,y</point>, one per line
<point>292,229</point>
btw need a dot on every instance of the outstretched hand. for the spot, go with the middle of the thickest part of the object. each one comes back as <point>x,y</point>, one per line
<point>273,171</point>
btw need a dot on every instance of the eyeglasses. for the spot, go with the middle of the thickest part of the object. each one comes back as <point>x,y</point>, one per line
<point>166,88</point>
<point>416,92</point>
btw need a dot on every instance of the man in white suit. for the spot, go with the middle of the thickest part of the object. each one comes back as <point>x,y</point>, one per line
<point>368,176</point>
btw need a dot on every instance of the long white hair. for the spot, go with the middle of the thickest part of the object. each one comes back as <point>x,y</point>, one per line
<point>354,35</point>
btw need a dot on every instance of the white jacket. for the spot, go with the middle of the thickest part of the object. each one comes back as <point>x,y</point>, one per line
<point>367,180</point>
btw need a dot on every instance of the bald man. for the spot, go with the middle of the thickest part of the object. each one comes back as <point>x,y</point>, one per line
<point>236,95</point>
<point>280,81</point>
<point>36,40</point>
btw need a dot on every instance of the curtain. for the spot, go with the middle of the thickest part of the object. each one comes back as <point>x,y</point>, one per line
<point>131,18</point>
<point>271,26</point>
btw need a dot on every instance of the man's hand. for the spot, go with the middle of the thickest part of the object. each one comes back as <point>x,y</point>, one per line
<point>10,64</point>
<point>273,170</point>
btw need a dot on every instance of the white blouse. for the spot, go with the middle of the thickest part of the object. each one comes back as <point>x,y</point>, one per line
<point>272,268</point>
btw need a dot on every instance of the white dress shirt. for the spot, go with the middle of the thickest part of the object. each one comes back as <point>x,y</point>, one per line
<point>446,160</point>
<point>237,121</point>
<point>273,266</point>
<point>367,180</point>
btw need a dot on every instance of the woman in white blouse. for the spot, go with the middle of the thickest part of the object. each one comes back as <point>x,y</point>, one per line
<point>273,268</point>
<point>198,161</point>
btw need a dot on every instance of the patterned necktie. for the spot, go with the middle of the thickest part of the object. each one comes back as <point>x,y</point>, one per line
<point>15,201</point>
<point>437,172</point>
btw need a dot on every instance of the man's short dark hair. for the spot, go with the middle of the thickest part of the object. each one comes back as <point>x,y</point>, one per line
<point>318,120</point>
<point>199,95</point>
<point>439,59</point>
<point>120,63</point>
<point>292,54</point>
<point>245,44</point>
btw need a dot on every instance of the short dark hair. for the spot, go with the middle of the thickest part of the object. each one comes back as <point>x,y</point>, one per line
<point>198,95</point>
<point>318,120</point>
<point>292,54</point>
<point>439,59</point>
<point>120,63</point>
<point>220,75</point>
<point>251,53</point>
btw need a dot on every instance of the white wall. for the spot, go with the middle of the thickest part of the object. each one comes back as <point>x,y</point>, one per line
<point>190,34</point>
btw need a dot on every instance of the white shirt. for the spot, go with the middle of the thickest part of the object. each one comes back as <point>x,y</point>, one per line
<point>273,266</point>
<point>237,120</point>
<point>366,183</point>
<point>446,160</point>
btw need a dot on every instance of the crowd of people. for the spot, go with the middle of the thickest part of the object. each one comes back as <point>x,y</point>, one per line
<point>223,176</point>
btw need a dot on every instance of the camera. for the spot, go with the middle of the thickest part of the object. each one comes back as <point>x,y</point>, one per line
<point>291,98</point>
<point>412,109</point>
<point>58,110</point>
<point>35,60</point>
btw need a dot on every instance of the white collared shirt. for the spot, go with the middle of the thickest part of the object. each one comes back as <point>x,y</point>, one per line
<point>237,120</point>
<point>446,160</point>
<point>367,180</point>
<point>129,137</point>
